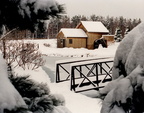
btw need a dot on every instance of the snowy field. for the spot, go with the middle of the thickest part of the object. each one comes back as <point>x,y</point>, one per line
<point>75,102</point>
<point>71,52</point>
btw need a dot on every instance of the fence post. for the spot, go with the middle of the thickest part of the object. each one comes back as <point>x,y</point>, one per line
<point>97,80</point>
<point>72,84</point>
<point>57,73</point>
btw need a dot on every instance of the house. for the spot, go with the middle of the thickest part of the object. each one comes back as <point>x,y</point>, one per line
<point>71,37</point>
<point>84,35</point>
<point>94,31</point>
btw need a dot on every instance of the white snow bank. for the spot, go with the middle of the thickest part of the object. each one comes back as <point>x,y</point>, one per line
<point>76,102</point>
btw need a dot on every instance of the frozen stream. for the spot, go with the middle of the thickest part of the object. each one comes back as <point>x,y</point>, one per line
<point>49,66</point>
<point>50,69</point>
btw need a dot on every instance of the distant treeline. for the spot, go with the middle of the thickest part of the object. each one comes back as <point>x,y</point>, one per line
<point>112,23</point>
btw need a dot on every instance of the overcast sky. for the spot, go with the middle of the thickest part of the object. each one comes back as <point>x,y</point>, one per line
<point>126,8</point>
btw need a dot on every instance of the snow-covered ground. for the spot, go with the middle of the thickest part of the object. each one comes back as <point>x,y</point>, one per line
<point>71,52</point>
<point>75,102</point>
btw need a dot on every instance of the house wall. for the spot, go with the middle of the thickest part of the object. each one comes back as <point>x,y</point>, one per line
<point>74,42</point>
<point>92,37</point>
<point>108,37</point>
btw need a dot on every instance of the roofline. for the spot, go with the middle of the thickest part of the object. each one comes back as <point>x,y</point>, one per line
<point>79,24</point>
<point>96,32</point>
<point>61,31</point>
<point>76,37</point>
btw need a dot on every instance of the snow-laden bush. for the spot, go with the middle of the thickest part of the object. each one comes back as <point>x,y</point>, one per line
<point>125,94</point>
<point>9,96</point>
<point>37,96</point>
<point>19,94</point>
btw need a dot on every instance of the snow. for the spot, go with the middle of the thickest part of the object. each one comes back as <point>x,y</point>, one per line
<point>72,32</point>
<point>90,62</point>
<point>79,59</point>
<point>92,26</point>
<point>73,52</point>
<point>75,102</point>
<point>9,96</point>
<point>37,75</point>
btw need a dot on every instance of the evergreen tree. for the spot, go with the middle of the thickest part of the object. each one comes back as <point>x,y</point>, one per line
<point>127,31</point>
<point>75,20</point>
<point>31,15</point>
<point>118,35</point>
<point>36,95</point>
<point>93,17</point>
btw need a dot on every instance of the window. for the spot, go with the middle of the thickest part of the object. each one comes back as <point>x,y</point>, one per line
<point>61,41</point>
<point>70,41</point>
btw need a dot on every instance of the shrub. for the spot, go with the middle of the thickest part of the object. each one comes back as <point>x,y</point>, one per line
<point>25,55</point>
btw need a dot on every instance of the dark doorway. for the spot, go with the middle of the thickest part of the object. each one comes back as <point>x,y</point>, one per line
<point>100,41</point>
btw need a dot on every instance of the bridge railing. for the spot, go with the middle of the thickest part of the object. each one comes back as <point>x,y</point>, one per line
<point>91,74</point>
<point>84,72</point>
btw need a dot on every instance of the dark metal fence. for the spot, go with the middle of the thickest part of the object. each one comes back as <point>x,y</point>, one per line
<point>93,72</point>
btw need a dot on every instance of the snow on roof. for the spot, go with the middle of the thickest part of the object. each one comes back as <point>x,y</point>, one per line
<point>71,32</point>
<point>94,26</point>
